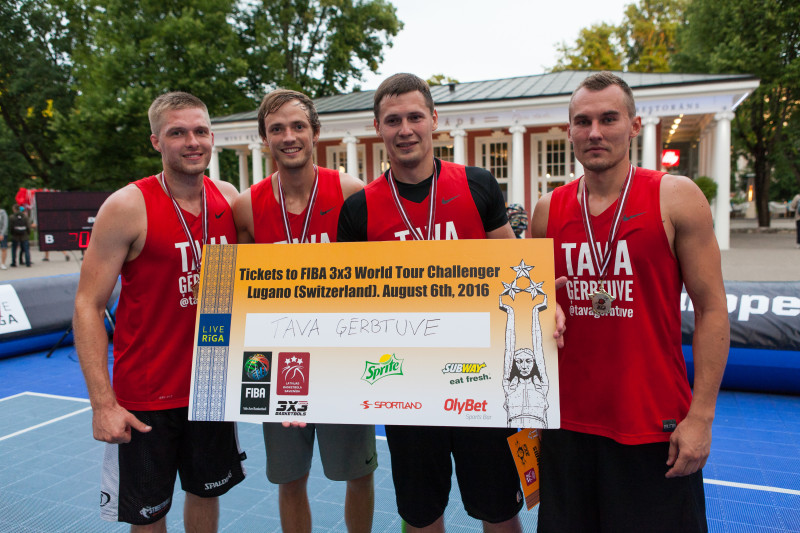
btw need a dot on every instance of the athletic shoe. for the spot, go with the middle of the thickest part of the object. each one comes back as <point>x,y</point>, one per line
<point>3,267</point>
<point>46,259</point>
<point>67,258</point>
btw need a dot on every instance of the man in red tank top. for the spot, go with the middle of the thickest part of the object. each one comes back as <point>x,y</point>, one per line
<point>152,232</point>
<point>633,438</point>
<point>468,204</point>
<point>300,203</point>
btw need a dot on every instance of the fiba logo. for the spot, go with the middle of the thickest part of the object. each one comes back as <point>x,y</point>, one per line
<point>256,366</point>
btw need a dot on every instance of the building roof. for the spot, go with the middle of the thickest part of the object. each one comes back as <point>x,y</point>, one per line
<point>537,86</point>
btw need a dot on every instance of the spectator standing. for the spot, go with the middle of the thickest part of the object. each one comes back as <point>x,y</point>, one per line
<point>3,238</point>
<point>20,229</point>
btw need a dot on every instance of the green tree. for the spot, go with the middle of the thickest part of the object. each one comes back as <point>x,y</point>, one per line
<point>597,47</point>
<point>649,34</point>
<point>440,79</point>
<point>759,37</point>
<point>132,53</point>
<point>316,46</point>
<point>643,42</point>
<point>34,85</point>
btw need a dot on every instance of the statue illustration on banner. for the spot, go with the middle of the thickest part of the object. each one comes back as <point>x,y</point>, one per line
<point>525,380</point>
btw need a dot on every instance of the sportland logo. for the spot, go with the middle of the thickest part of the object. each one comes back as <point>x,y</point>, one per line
<point>366,404</point>
<point>388,365</point>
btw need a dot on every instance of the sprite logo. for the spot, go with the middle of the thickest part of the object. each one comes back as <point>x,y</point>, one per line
<point>388,365</point>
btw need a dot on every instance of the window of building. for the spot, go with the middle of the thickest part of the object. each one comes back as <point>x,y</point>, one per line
<point>493,154</point>
<point>337,158</point>
<point>553,160</point>
<point>444,150</point>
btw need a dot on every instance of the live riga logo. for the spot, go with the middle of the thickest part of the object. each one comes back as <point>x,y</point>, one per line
<point>214,330</point>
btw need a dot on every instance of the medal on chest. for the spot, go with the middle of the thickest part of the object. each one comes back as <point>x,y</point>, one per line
<point>196,254</point>
<point>417,235</point>
<point>602,300</point>
<point>312,199</point>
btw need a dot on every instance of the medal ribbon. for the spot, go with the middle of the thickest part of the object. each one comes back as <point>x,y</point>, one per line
<point>203,213</point>
<point>602,268</point>
<point>309,208</point>
<point>431,209</point>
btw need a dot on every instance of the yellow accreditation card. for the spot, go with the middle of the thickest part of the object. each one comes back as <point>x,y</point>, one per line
<point>526,447</point>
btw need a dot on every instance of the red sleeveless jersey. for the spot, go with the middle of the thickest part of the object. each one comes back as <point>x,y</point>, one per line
<point>456,214</point>
<point>156,314</point>
<point>623,375</point>
<point>268,220</point>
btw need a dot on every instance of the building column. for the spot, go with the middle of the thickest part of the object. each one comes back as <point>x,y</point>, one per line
<point>649,158</point>
<point>722,175</point>
<point>351,143</point>
<point>258,158</point>
<point>459,146</point>
<point>267,164</point>
<point>244,177</point>
<point>578,170</point>
<point>213,166</point>
<point>706,142</point>
<point>517,193</point>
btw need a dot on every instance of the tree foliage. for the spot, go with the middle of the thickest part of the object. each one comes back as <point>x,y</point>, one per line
<point>136,52</point>
<point>649,34</point>
<point>596,48</point>
<point>440,79</point>
<point>318,46</point>
<point>77,76</point>
<point>643,42</point>
<point>759,37</point>
<point>34,85</point>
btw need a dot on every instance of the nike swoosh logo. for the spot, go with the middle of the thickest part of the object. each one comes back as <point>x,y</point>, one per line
<point>445,202</point>
<point>323,213</point>
<point>625,219</point>
<point>216,215</point>
<point>371,459</point>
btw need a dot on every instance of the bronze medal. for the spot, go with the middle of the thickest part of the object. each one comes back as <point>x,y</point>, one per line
<point>195,290</point>
<point>601,301</point>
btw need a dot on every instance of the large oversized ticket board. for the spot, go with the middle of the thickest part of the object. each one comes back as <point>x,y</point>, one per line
<point>441,333</point>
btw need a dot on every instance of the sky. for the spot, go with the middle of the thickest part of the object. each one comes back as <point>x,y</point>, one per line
<point>474,40</point>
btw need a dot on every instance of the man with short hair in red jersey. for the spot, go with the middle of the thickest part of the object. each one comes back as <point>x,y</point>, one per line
<point>633,437</point>
<point>152,232</point>
<point>300,203</point>
<point>420,197</point>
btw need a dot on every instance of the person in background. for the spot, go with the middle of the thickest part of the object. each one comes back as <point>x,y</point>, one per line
<point>3,238</point>
<point>518,218</point>
<point>20,230</point>
<point>794,207</point>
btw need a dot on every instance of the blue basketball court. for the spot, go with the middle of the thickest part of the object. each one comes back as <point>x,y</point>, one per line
<point>50,465</point>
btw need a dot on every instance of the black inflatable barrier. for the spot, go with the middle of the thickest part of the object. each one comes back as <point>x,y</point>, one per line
<point>48,303</point>
<point>764,317</point>
<point>765,336</point>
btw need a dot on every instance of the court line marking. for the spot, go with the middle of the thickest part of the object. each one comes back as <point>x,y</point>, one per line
<point>379,437</point>
<point>751,487</point>
<point>47,423</point>
<point>43,395</point>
